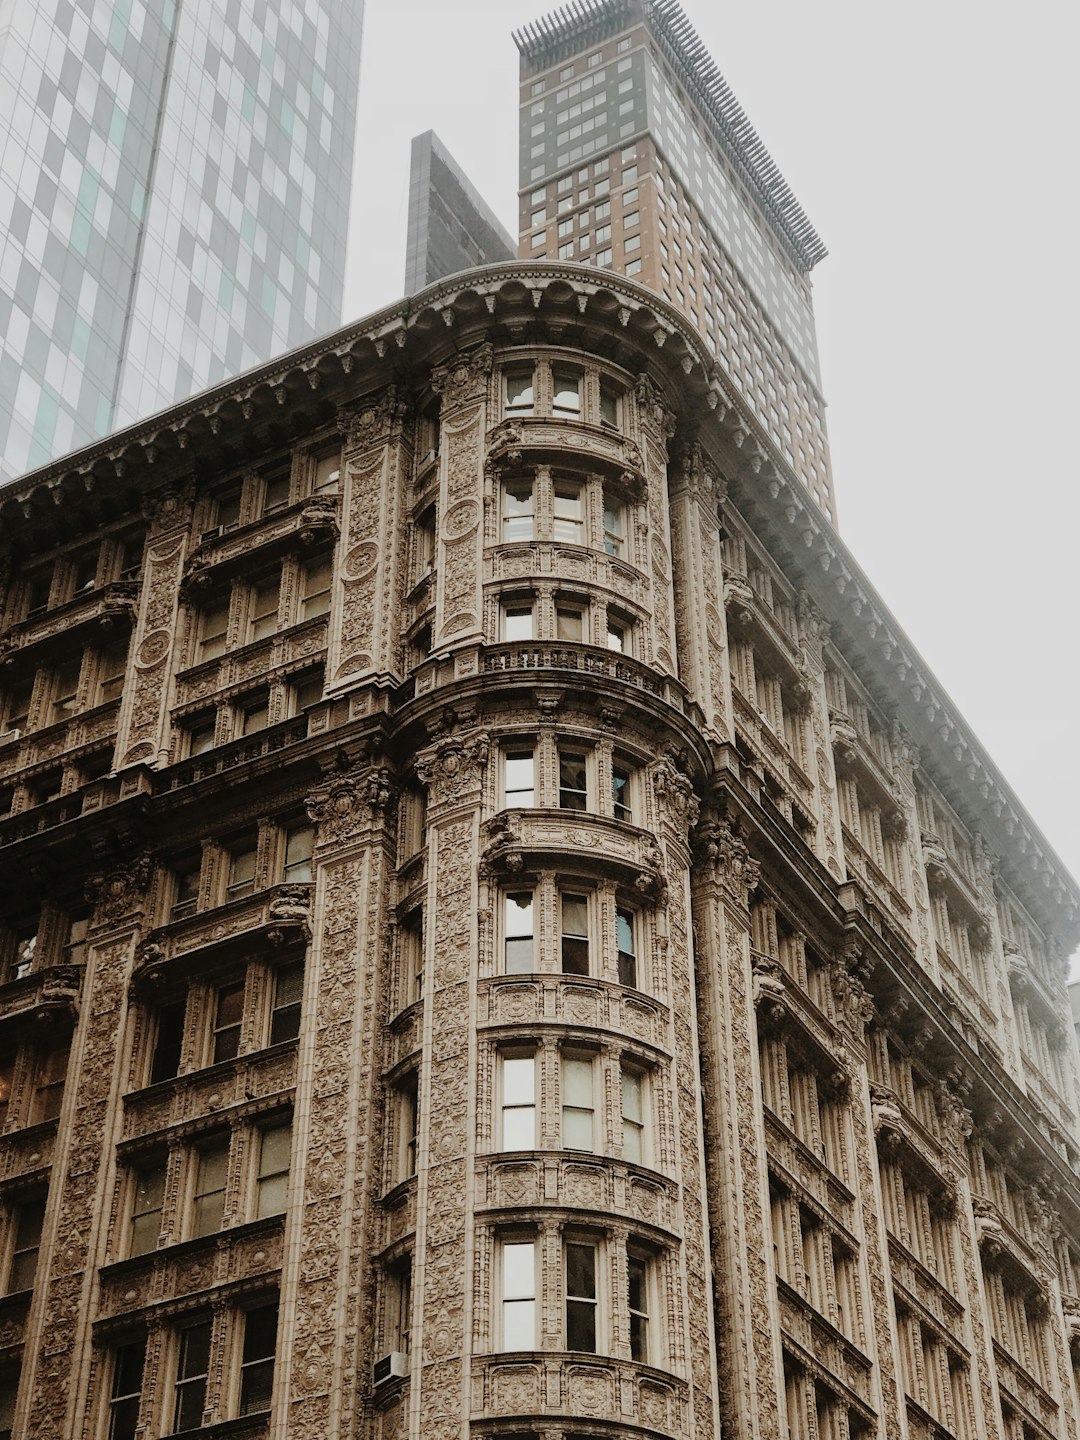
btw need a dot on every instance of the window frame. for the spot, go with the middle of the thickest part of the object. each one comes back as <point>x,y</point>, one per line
<point>507,1101</point>
<point>508,1296</point>
<point>575,1108</point>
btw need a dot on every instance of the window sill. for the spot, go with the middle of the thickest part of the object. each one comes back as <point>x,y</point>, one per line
<point>177,1250</point>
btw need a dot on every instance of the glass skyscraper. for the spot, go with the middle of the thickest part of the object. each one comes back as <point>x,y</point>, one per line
<point>174,197</point>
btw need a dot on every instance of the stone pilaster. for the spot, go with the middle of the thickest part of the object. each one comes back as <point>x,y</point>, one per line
<point>364,643</point>
<point>656,426</point>
<point>692,1341</point>
<point>697,492</point>
<point>326,1344</point>
<point>144,733</point>
<point>813,633</point>
<point>749,1359</point>
<point>463,386</point>
<point>452,768</point>
<point>58,1349</point>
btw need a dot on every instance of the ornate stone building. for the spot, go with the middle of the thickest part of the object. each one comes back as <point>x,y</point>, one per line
<point>502,935</point>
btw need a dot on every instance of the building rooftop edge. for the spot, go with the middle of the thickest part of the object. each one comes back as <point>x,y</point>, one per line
<point>713,95</point>
<point>845,594</point>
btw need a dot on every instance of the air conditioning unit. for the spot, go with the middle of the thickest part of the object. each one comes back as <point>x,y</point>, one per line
<point>390,1367</point>
<point>7,735</point>
<point>209,535</point>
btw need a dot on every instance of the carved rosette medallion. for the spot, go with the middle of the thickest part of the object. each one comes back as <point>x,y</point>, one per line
<point>463,379</point>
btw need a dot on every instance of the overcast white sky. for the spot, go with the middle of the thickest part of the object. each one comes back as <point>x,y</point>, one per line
<point>933,146</point>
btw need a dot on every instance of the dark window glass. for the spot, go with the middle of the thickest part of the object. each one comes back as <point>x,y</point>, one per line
<point>573,781</point>
<point>228,1014</point>
<point>170,1035</point>
<point>575,935</point>
<point>288,998</point>
<point>192,1366</point>
<point>580,1297</point>
<point>257,1365</point>
<point>128,1363</point>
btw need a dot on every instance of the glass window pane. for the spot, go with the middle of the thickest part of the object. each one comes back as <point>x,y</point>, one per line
<point>519,1128</point>
<point>518,622</point>
<point>569,625</point>
<point>519,778</point>
<point>519,1271</point>
<point>518,1079</point>
<point>519,1324</point>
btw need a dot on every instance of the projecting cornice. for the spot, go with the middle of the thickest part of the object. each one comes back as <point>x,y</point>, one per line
<point>522,302</point>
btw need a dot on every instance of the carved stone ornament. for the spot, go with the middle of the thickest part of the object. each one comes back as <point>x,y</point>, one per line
<point>675,791</point>
<point>885,1111</point>
<point>652,409</point>
<point>722,850</point>
<point>854,1006</point>
<point>453,766</point>
<point>118,892</point>
<point>463,378</point>
<point>289,915</point>
<point>167,509</point>
<point>59,992</point>
<point>988,1228</point>
<point>499,855</point>
<point>701,477</point>
<point>769,991</point>
<point>349,800</point>
<point>370,421</point>
<point>318,520</point>
<point>505,443</point>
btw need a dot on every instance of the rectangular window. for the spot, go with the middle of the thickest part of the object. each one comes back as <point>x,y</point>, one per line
<point>254,715</point>
<point>566,392</point>
<point>263,614</point>
<point>578,1103</point>
<point>257,1359</point>
<point>517,622</point>
<point>620,792</point>
<point>425,543</point>
<point>408,1125</point>
<point>277,487</point>
<point>85,567</point>
<point>65,690</point>
<point>201,734</point>
<point>165,1062</point>
<point>637,1296</point>
<point>518,1295</point>
<point>614,526</point>
<point>518,779</point>
<point>185,889</point>
<point>518,1128</point>
<point>569,623</point>
<point>327,477</point>
<point>627,951</point>
<point>240,878</point>
<point>228,1013</point>
<point>573,780</point>
<point>213,631</point>
<point>315,588</point>
<point>580,1296</point>
<point>111,671</point>
<point>227,509</point>
<point>575,934</point>
<point>518,510</point>
<point>518,933</point>
<point>569,512</point>
<point>288,1000</point>
<point>146,1207</point>
<point>412,955</point>
<point>192,1369</point>
<point>609,405</point>
<point>49,1077</point>
<point>208,1208</point>
<point>272,1179</point>
<point>633,1115</point>
<point>27,1221</point>
<point>299,848</point>
<point>520,395</point>
<point>17,706</point>
<point>126,1390</point>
